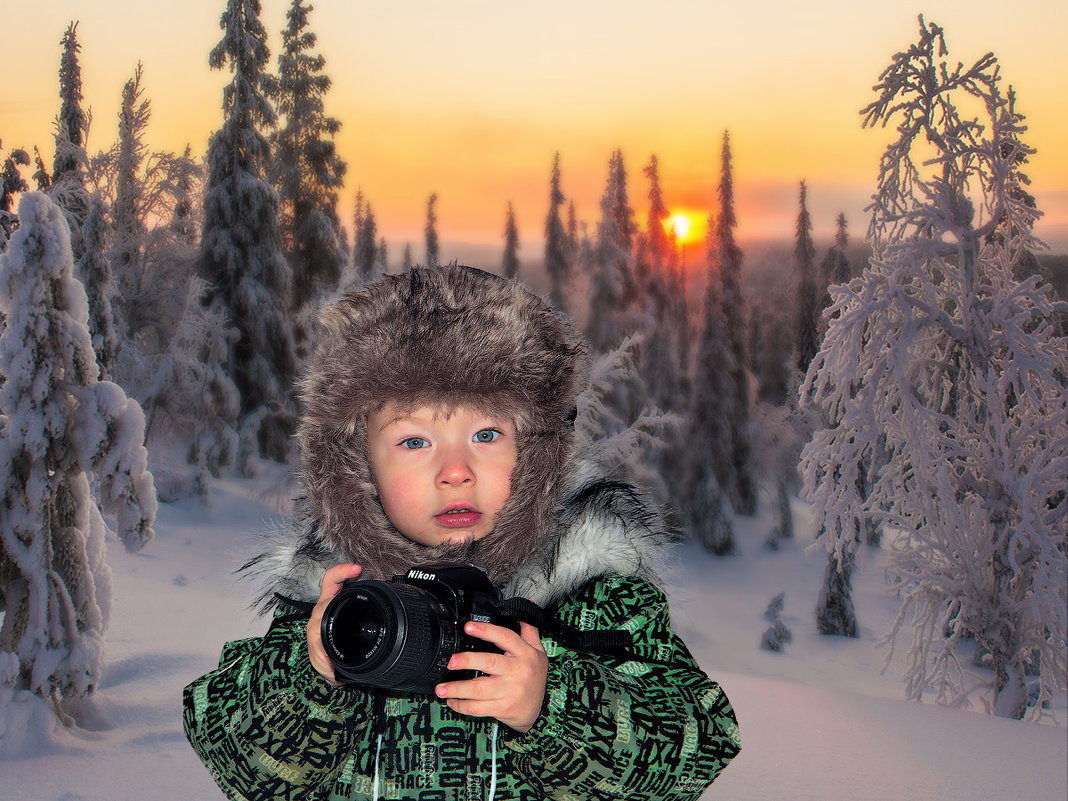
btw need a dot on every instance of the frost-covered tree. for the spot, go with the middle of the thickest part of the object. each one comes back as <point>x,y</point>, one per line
<point>557,258</point>
<point>306,168</point>
<point>661,351</point>
<point>241,258</point>
<point>382,255</point>
<point>808,290</point>
<point>658,244</point>
<point>957,370</point>
<point>836,267</point>
<point>94,271</point>
<point>41,176</point>
<point>572,232</point>
<point>60,427</point>
<point>365,251</point>
<point>67,183</point>
<point>510,260</point>
<point>11,184</point>
<point>430,232</point>
<point>708,432</point>
<point>129,207</point>
<point>742,483</point>
<point>611,263</point>
<point>185,175</point>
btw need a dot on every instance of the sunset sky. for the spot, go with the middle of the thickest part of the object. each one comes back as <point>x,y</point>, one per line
<point>471,98</point>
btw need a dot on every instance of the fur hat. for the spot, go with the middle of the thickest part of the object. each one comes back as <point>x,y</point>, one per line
<point>440,337</point>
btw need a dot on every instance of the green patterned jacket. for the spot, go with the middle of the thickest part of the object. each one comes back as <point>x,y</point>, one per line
<point>645,725</point>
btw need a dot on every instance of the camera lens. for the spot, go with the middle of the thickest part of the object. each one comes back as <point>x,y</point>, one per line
<point>389,635</point>
<point>364,622</point>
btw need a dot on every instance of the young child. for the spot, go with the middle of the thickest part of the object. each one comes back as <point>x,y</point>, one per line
<point>439,425</point>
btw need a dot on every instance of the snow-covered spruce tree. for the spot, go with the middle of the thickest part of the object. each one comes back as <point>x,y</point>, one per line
<point>41,177</point>
<point>808,290</point>
<point>241,258</point>
<point>306,169</point>
<point>572,233</point>
<point>742,483</point>
<point>94,271</point>
<point>510,260</point>
<point>960,367</point>
<point>365,251</point>
<point>60,425</point>
<point>708,432</point>
<point>611,263</point>
<point>836,267</point>
<point>185,174</point>
<point>383,255</point>
<point>11,184</point>
<point>661,349</point>
<point>128,210</point>
<point>430,232</point>
<point>67,183</point>
<point>557,256</point>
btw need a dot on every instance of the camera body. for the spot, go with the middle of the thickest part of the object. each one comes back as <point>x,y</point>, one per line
<point>400,634</point>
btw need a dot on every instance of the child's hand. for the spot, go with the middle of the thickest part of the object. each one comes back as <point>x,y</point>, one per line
<point>332,581</point>
<point>513,686</point>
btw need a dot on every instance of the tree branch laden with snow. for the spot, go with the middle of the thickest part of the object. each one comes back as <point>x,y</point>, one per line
<point>952,373</point>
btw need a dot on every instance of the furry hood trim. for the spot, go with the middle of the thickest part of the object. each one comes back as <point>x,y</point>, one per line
<point>605,527</point>
<point>439,337</point>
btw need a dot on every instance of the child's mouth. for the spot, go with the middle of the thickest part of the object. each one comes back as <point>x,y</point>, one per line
<point>460,517</point>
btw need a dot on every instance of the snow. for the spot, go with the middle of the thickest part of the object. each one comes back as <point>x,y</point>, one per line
<point>819,720</point>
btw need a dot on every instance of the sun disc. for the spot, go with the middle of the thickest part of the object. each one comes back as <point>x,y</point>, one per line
<point>680,225</point>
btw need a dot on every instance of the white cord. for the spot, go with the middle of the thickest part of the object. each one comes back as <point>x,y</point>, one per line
<point>493,766</point>
<point>378,753</point>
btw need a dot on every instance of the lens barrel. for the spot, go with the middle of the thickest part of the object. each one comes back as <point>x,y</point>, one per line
<point>388,634</point>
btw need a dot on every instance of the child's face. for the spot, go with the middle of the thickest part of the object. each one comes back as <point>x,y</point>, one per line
<point>442,477</point>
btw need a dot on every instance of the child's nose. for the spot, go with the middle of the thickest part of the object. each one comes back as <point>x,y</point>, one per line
<point>455,470</point>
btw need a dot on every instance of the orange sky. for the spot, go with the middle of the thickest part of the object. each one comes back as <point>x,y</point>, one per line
<point>470,99</point>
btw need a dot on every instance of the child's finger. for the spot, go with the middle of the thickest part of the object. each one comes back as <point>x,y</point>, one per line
<point>504,638</point>
<point>531,636</point>
<point>335,577</point>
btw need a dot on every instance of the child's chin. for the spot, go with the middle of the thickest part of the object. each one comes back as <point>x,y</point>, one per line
<point>459,538</point>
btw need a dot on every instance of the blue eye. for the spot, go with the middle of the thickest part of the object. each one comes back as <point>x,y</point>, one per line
<point>414,443</point>
<point>486,435</point>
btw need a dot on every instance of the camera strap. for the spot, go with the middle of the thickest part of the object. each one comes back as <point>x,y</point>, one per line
<point>601,640</point>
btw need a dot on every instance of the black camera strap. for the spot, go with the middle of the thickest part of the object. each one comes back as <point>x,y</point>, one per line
<point>602,640</point>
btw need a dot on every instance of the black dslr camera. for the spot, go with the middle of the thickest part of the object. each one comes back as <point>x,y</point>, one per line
<point>400,634</point>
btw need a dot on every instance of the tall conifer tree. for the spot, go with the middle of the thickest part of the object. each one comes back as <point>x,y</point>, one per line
<point>742,483</point>
<point>808,290</point>
<point>708,433</point>
<point>430,232</point>
<point>67,183</point>
<point>241,257</point>
<point>557,261</point>
<point>306,169</point>
<point>510,261</point>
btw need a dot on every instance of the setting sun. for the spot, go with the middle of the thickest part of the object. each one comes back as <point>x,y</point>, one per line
<point>683,226</point>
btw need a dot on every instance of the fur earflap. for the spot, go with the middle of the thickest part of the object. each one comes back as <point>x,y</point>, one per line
<point>441,337</point>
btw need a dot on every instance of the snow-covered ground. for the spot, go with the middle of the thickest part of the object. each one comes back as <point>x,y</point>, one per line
<point>819,721</point>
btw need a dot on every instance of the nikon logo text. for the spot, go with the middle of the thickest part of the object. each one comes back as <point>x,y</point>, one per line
<point>423,575</point>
